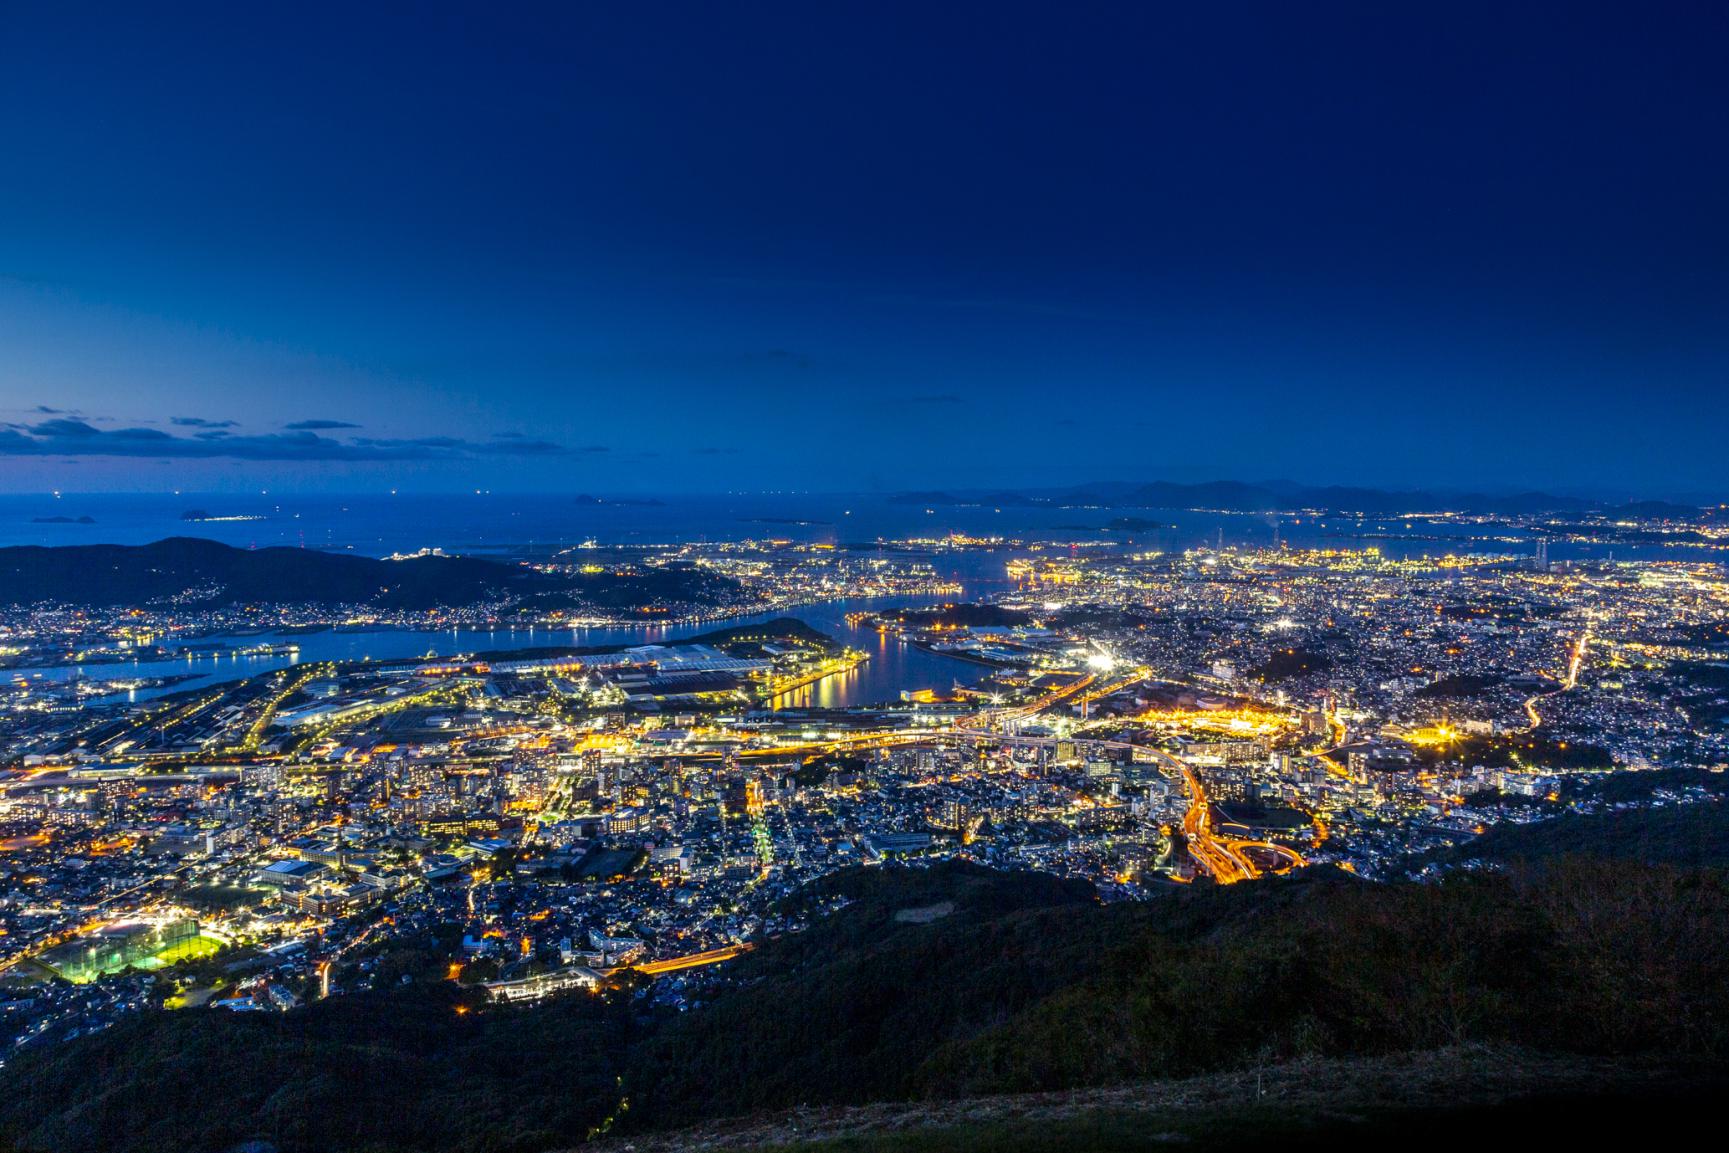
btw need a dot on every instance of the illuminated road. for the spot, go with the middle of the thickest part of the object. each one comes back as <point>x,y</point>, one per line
<point>692,960</point>
<point>1225,859</point>
<point>267,716</point>
<point>1021,712</point>
<point>1213,858</point>
<point>1575,662</point>
<point>851,742</point>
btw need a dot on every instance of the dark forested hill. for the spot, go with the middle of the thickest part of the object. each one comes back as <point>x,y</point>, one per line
<point>212,573</point>
<point>1059,994</point>
<point>388,1071</point>
<point>930,985</point>
<point>1689,835</point>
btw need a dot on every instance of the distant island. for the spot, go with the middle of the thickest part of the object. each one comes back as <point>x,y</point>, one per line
<point>62,520</point>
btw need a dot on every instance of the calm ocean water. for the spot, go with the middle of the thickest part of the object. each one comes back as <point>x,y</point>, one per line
<point>499,523</point>
<point>893,665</point>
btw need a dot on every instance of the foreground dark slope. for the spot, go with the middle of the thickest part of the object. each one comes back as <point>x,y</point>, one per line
<point>396,1071</point>
<point>217,574</point>
<point>1503,1097</point>
<point>1581,957</point>
<point>935,985</point>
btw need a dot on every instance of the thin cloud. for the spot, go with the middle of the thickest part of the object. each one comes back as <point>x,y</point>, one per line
<point>511,446</point>
<point>318,425</point>
<point>65,437</point>
<point>38,410</point>
<point>201,422</point>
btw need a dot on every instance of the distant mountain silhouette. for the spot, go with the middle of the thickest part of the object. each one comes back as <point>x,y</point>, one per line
<point>212,573</point>
<point>1285,496</point>
<point>1653,510</point>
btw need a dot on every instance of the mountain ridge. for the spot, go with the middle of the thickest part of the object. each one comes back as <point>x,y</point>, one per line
<point>210,573</point>
<point>1287,496</point>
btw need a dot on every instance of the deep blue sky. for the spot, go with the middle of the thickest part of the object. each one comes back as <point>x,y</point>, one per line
<point>829,246</point>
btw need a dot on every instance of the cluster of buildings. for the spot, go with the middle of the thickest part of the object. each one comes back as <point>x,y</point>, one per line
<point>535,823</point>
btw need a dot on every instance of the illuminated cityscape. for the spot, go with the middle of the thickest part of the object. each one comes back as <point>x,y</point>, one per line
<point>1133,718</point>
<point>882,578</point>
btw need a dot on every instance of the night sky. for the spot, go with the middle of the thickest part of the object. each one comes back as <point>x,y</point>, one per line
<point>829,246</point>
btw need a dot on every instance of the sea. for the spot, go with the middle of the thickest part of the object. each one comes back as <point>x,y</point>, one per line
<point>487,523</point>
<point>518,525</point>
